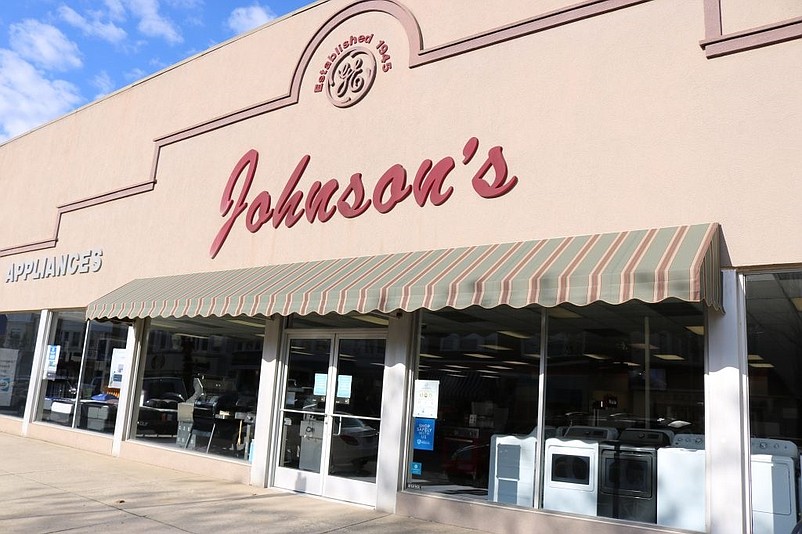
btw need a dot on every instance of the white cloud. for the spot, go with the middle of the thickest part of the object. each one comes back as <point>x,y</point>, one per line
<point>103,83</point>
<point>152,23</point>
<point>116,10</point>
<point>185,4</point>
<point>243,19</point>
<point>27,98</point>
<point>44,45</point>
<point>135,74</point>
<point>108,31</point>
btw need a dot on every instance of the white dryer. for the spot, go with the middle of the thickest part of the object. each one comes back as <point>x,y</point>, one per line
<point>774,499</point>
<point>572,470</point>
<point>681,492</point>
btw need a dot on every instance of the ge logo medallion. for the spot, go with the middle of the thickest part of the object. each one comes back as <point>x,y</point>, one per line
<point>351,77</point>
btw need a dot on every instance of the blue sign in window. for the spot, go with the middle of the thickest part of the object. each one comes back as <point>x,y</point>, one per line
<point>416,468</point>
<point>424,434</point>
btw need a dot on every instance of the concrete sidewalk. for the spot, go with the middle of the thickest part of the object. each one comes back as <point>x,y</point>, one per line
<point>51,488</point>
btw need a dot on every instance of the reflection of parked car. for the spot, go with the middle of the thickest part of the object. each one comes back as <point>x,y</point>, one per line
<point>353,444</point>
<point>158,413</point>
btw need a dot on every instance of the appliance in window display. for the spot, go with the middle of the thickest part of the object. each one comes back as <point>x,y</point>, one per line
<point>774,482</point>
<point>311,430</point>
<point>512,468</point>
<point>681,496</point>
<point>571,469</point>
<point>628,474</point>
<point>221,416</point>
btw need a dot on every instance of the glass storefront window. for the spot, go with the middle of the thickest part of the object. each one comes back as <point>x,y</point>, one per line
<point>17,343</point>
<point>200,385</point>
<point>82,389</point>
<point>623,412</point>
<point>100,376</point>
<point>623,384</point>
<point>63,368</point>
<point>483,367</point>
<point>774,358</point>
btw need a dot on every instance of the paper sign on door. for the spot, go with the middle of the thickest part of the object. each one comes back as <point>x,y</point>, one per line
<point>427,394</point>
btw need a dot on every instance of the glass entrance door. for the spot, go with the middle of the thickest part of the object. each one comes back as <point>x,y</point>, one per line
<point>330,418</point>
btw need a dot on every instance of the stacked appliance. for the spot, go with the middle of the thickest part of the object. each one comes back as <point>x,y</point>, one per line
<point>628,474</point>
<point>681,483</point>
<point>213,411</point>
<point>572,469</point>
<point>512,468</point>
<point>774,473</point>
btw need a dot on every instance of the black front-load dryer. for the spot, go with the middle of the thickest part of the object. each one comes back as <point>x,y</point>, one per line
<point>628,474</point>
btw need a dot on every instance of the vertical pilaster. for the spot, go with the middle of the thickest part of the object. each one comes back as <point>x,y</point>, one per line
<point>36,384</point>
<point>726,413</point>
<point>401,341</point>
<point>265,426</point>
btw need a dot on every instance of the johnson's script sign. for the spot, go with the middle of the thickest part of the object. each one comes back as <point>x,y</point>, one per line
<point>350,199</point>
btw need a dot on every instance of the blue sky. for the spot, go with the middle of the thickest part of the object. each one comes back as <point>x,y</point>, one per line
<point>58,55</point>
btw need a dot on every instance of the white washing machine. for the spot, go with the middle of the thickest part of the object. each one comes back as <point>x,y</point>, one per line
<point>681,500</point>
<point>774,499</point>
<point>572,470</point>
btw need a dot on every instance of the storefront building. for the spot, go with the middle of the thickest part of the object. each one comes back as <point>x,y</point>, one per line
<point>517,266</point>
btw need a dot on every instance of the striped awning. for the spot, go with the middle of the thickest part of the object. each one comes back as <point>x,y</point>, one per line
<point>649,265</point>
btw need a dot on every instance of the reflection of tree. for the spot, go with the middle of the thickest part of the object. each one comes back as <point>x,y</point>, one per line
<point>188,370</point>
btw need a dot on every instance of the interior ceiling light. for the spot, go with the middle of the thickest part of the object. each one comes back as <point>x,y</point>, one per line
<point>669,357</point>
<point>500,367</point>
<point>488,371</point>
<point>182,334</point>
<point>562,313</point>
<point>628,364</point>
<point>698,330</point>
<point>512,333</point>
<point>764,365</point>
<point>532,355</point>
<point>247,323</point>
<point>754,358</point>
<point>425,355</point>
<point>514,362</point>
<point>494,347</point>
<point>480,356</point>
<point>596,356</point>
<point>797,301</point>
<point>456,375</point>
<point>455,366</point>
<point>372,319</point>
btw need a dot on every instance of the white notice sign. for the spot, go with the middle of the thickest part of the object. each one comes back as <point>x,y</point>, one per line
<point>51,361</point>
<point>119,361</point>
<point>344,386</point>
<point>319,389</point>
<point>427,395</point>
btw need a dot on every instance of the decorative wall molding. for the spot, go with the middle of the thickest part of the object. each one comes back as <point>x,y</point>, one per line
<point>717,44</point>
<point>418,55</point>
